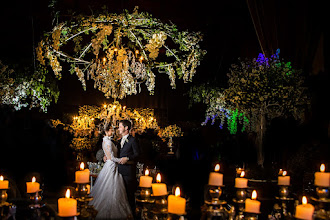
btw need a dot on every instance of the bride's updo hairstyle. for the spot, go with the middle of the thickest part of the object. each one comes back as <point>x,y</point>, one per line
<point>106,127</point>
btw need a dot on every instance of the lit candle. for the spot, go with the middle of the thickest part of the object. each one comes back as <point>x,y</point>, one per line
<point>32,187</point>
<point>82,176</point>
<point>252,205</point>
<point>322,178</point>
<point>241,182</point>
<point>304,211</point>
<point>283,180</point>
<point>176,204</point>
<point>146,180</point>
<point>67,206</point>
<point>159,189</point>
<point>3,183</point>
<point>215,178</point>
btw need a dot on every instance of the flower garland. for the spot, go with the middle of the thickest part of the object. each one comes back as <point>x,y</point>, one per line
<point>123,51</point>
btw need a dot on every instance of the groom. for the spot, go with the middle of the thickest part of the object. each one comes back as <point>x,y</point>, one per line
<point>128,152</point>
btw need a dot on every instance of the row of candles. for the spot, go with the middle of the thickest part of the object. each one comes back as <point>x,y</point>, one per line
<point>68,206</point>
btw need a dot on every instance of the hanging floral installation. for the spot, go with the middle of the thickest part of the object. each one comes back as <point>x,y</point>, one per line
<point>91,119</point>
<point>121,52</point>
<point>33,89</point>
<point>259,90</point>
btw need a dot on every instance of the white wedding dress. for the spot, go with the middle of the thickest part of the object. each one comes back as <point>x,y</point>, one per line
<point>109,193</point>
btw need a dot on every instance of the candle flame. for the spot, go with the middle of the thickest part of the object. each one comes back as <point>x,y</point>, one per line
<point>146,172</point>
<point>1,178</point>
<point>82,166</point>
<point>158,178</point>
<point>304,200</point>
<point>284,173</point>
<point>322,167</point>
<point>217,168</point>
<point>177,191</point>
<point>33,179</point>
<point>67,193</point>
<point>242,174</point>
<point>254,195</point>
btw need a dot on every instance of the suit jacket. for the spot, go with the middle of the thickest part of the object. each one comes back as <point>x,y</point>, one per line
<point>131,150</point>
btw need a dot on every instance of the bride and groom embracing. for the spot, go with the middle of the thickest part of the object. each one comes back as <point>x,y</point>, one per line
<point>115,186</point>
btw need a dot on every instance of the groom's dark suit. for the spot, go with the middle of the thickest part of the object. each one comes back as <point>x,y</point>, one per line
<point>130,149</point>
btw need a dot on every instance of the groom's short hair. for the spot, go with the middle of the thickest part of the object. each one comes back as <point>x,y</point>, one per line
<point>126,123</point>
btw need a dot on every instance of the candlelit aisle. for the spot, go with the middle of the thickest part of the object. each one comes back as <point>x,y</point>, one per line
<point>208,90</point>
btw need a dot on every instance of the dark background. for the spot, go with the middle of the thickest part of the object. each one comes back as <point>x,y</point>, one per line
<point>231,29</point>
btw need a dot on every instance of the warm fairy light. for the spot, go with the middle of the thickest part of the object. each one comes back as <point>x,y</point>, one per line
<point>304,200</point>
<point>82,166</point>
<point>158,178</point>
<point>33,179</point>
<point>217,168</point>
<point>254,194</point>
<point>146,172</point>
<point>1,178</point>
<point>322,167</point>
<point>115,49</point>
<point>136,52</point>
<point>177,191</point>
<point>141,58</point>
<point>104,59</point>
<point>284,173</point>
<point>242,174</point>
<point>67,194</point>
<point>104,106</point>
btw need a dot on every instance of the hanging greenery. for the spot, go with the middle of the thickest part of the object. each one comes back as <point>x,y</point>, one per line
<point>120,52</point>
<point>259,90</point>
<point>33,89</point>
<point>260,85</point>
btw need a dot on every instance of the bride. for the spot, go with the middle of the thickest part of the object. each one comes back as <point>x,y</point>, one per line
<point>109,193</point>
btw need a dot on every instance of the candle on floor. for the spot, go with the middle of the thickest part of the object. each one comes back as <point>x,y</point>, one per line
<point>216,178</point>
<point>32,187</point>
<point>283,180</point>
<point>159,189</point>
<point>305,210</point>
<point>322,178</point>
<point>146,180</point>
<point>67,206</point>
<point>176,204</point>
<point>252,205</point>
<point>241,182</point>
<point>82,176</point>
<point>3,183</point>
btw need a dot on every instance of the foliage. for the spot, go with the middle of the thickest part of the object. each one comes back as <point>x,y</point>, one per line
<point>33,89</point>
<point>257,87</point>
<point>170,131</point>
<point>119,52</point>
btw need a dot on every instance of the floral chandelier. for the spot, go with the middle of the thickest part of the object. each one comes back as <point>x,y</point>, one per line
<point>121,52</point>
